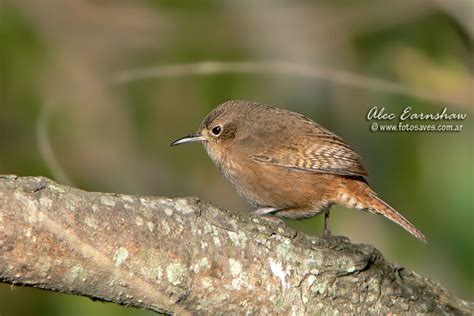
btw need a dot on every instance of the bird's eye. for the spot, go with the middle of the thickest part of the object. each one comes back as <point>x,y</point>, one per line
<point>216,130</point>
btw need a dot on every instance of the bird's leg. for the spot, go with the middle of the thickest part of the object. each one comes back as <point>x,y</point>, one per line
<point>264,211</point>
<point>326,231</point>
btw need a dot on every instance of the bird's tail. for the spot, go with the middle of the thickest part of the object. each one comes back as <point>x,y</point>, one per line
<point>359,195</point>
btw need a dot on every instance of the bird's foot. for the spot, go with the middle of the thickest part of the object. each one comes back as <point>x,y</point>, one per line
<point>326,233</point>
<point>264,211</point>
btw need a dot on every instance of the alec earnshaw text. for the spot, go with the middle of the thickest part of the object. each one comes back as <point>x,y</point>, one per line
<point>376,113</point>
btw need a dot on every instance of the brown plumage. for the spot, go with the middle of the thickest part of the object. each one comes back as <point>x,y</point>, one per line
<point>285,164</point>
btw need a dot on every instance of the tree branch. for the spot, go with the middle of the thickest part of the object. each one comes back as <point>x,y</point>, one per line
<point>184,256</point>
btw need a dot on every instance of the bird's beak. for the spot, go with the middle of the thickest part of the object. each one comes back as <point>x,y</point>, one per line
<point>196,137</point>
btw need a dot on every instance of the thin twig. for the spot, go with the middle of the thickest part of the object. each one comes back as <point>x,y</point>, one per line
<point>46,150</point>
<point>335,76</point>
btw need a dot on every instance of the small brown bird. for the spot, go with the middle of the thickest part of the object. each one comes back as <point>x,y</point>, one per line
<point>285,164</point>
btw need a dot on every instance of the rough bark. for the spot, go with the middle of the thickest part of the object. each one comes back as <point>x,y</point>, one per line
<point>185,256</point>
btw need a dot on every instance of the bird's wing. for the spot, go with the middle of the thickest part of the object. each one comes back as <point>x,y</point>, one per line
<point>314,150</point>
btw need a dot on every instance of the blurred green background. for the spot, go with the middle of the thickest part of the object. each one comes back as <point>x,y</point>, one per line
<point>73,108</point>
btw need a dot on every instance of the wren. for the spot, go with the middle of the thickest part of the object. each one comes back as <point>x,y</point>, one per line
<point>285,164</point>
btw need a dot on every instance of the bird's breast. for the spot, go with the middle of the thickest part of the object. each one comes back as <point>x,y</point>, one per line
<point>268,185</point>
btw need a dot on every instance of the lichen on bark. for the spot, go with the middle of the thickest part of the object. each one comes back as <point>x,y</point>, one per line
<point>185,256</point>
